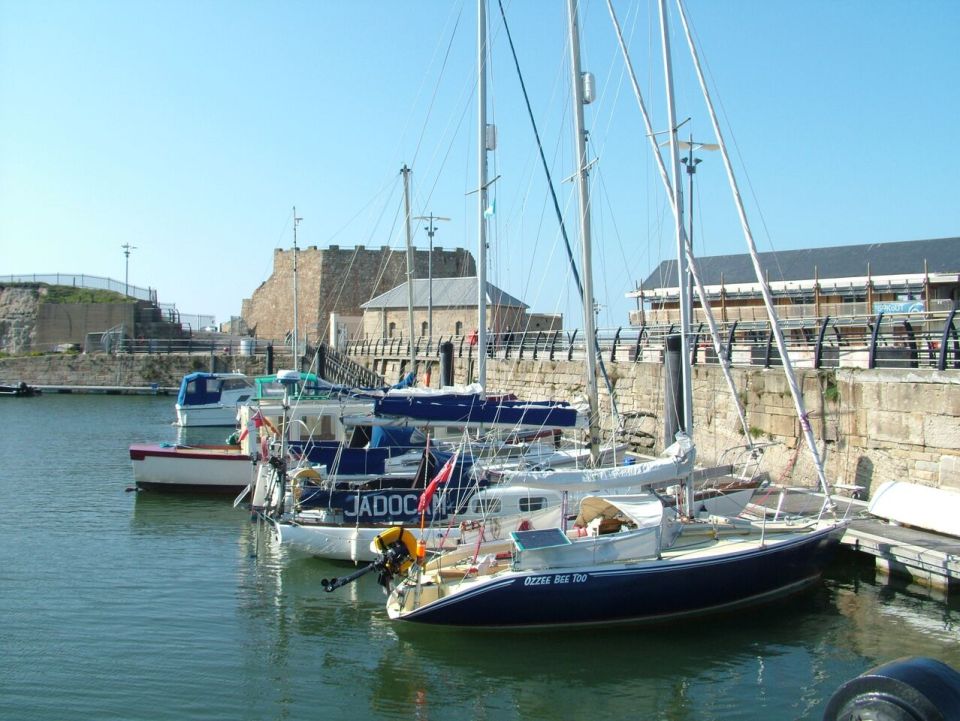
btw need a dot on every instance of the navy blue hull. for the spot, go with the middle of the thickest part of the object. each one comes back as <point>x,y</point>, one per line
<point>648,591</point>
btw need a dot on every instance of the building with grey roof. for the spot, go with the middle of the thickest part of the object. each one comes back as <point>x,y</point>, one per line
<point>450,305</point>
<point>905,276</point>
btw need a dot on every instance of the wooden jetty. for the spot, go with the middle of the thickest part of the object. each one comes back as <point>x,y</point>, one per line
<point>926,558</point>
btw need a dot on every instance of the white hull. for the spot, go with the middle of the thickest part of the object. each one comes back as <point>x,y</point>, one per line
<point>212,469</point>
<point>209,415</point>
<point>351,543</point>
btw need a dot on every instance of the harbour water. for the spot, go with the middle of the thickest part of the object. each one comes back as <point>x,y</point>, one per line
<point>120,605</point>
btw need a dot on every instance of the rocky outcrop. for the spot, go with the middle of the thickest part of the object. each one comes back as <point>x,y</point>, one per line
<point>19,306</point>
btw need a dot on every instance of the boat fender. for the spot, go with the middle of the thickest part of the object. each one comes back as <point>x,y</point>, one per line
<point>908,689</point>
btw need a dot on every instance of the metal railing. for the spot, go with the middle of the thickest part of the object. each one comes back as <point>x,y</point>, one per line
<point>95,282</point>
<point>921,340</point>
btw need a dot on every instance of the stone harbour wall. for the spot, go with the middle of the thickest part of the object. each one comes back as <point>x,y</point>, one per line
<point>122,370</point>
<point>870,425</point>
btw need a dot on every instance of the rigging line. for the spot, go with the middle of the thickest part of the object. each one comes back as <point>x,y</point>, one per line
<point>692,264</point>
<point>433,98</point>
<point>795,390</point>
<point>743,164</point>
<point>543,159</point>
<point>345,276</point>
<point>556,205</point>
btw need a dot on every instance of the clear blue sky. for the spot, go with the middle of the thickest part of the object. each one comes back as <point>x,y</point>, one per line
<point>190,129</point>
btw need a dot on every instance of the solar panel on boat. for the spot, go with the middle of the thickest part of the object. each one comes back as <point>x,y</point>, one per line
<point>542,538</point>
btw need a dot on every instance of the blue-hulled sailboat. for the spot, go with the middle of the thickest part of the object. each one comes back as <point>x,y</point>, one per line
<point>627,558</point>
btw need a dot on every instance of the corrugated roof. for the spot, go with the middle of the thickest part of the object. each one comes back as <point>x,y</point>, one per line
<point>942,255</point>
<point>447,293</point>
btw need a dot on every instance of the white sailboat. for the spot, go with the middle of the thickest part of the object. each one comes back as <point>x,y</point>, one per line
<point>628,558</point>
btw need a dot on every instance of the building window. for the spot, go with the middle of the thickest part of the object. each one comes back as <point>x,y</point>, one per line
<point>424,327</point>
<point>391,330</point>
<point>459,328</point>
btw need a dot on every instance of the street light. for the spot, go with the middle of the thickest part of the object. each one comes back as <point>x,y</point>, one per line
<point>126,271</point>
<point>431,229</point>
<point>691,164</point>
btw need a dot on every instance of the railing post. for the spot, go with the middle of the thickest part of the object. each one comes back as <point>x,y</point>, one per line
<point>696,345</point>
<point>874,336</point>
<point>613,347</point>
<point>769,348</point>
<point>536,344</point>
<point>947,330</point>
<point>553,343</point>
<point>572,337</point>
<point>730,336</point>
<point>912,344</point>
<point>818,348</point>
<point>638,350</point>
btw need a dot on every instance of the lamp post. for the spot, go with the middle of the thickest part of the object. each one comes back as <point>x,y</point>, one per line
<point>296,318</point>
<point>691,164</point>
<point>126,270</point>
<point>431,229</point>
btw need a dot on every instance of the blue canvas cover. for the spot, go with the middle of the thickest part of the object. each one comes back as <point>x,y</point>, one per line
<point>197,389</point>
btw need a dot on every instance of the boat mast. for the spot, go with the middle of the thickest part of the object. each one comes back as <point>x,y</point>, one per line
<point>758,269</point>
<point>691,263</point>
<point>296,317</point>
<point>686,422</point>
<point>482,339</point>
<point>589,341</point>
<point>405,171</point>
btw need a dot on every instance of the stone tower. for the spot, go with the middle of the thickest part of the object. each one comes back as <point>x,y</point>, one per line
<point>337,280</point>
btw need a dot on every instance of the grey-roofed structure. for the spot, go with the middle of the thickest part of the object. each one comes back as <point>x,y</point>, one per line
<point>447,293</point>
<point>942,255</point>
<point>450,310</point>
<point>846,280</point>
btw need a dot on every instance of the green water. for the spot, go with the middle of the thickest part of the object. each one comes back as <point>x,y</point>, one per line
<point>118,605</point>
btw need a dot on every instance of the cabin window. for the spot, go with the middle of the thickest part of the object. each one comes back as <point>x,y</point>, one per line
<point>487,505</point>
<point>232,384</point>
<point>319,428</point>
<point>532,504</point>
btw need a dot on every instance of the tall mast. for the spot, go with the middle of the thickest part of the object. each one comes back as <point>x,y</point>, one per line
<point>795,390</point>
<point>406,213</point>
<point>686,423</point>
<point>296,316</point>
<point>589,340</point>
<point>682,269</point>
<point>482,339</point>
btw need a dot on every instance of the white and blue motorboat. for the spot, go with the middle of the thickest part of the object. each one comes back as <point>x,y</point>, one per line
<point>212,399</point>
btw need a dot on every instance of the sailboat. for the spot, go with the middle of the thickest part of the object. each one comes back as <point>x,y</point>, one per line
<point>628,558</point>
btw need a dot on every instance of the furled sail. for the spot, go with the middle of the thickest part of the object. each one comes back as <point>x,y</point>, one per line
<point>675,464</point>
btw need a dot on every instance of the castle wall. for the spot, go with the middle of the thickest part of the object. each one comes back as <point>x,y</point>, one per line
<point>337,280</point>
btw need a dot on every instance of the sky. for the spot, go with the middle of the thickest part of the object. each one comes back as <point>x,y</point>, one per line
<point>190,129</point>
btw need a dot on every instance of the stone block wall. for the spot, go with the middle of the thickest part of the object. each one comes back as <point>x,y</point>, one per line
<point>870,425</point>
<point>337,280</point>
